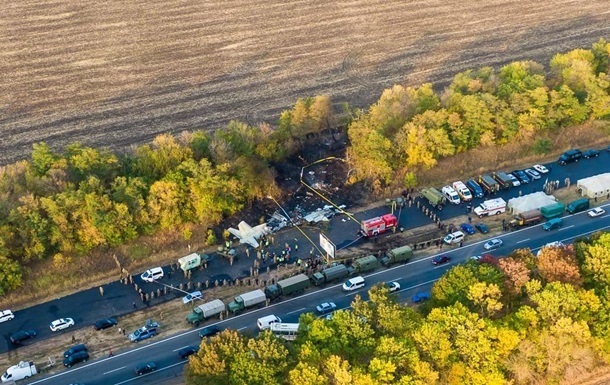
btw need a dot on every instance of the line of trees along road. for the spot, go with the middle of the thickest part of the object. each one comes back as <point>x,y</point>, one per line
<point>519,319</point>
<point>63,205</point>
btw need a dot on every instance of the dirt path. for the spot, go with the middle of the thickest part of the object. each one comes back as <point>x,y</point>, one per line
<point>115,73</point>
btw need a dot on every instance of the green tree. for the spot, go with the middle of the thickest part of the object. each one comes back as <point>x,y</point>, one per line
<point>43,158</point>
<point>518,77</point>
<point>370,152</point>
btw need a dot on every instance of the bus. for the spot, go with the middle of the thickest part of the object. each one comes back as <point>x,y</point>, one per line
<point>285,330</point>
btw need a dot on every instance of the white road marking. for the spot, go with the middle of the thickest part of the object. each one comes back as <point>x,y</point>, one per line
<point>175,350</point>
<point>523,240</point>
<point>114,370</point>
<point>565,228</point>
<point>245,327</point>
<point>294,311</point>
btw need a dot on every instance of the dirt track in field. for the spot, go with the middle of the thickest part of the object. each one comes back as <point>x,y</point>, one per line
<point>119,72</point>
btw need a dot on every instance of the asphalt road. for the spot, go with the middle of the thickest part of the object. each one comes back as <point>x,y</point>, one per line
<point>413,277</point>
<point>88,306</point>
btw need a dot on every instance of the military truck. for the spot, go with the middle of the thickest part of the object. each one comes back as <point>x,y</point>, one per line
<point>247,300</point>
<point>364,264</point>
<point>205,311</point>
<point>526,218</point>
<point>434,197</point>
<point>489,184</point>
<point>330,274</point>
<point>554,210</point>
<point>400,254</point>
<point>293,285</point>
<point>503,179</point>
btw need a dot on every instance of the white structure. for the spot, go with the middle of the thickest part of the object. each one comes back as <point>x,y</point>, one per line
<point>595,186</point>
<point>529,202</point>
<point>248,234</point>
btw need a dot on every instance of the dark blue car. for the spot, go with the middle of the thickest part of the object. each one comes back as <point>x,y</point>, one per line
<point>421,297</point>
<point>468,229</point>
<point>519,174</point>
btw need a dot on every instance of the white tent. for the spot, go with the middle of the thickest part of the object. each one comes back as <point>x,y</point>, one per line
<point>595,186</point>
<point>529,202</point>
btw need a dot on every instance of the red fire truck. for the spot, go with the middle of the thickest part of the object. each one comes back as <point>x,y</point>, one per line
<point>378,225</point>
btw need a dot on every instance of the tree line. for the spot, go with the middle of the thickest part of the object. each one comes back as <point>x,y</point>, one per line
<point>520,319</point>
<point>64,204</point>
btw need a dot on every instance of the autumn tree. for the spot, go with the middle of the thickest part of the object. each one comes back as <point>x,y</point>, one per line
<point>558,264</point>
<point>516,274</point>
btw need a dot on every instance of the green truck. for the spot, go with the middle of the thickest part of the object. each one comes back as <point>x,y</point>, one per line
<point>434,197</point>
<point>578,205</point>
<point>400,254</point>
<point>554,210</point>
<point>330,274</point>
<point>294,285</point>
<point>364,264</point>
<point>205,311</point>
<point>247,300</point>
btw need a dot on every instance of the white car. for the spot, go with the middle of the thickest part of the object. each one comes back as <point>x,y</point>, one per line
<point>550,244</point>
<point>540,168</point>
<point>393,286</point>
<point>596,212</point>
<point>61,324</point>
<point>516,181</point>
<point>152,274</point>
<point>476,257</point>
<point>493,244</point>
<point>191,297</point>
<point>532,173</point>
<point>6,315</point>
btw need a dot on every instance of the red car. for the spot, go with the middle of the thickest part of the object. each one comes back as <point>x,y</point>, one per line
<point>440,260</point>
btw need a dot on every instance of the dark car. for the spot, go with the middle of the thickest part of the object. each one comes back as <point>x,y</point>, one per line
<point>482,227</point>
<point>105,323</point>
<point>440,260</point>
<point>75,349</point>
<point>421,297</point>
<point>521,176</point>
<point>468,229</point>
<point>209,331</point>
<point>22,335</point>
<point>570,156</point>
<point>188,351</point>
<point>145,368</point>
<point>590,154</point>
<point>75,358</point>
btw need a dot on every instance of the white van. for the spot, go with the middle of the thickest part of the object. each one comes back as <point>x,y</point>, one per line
<point>353,283</point>
<point>264,323</point>
<point>451,195</point>
<point>152,274</point>
<point>455,237</point>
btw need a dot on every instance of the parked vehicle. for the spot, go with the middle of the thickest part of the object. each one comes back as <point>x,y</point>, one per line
<point>190,262</point>
<point>6,315</point>
<point>578,205</point>
<point>326,307</point>
<point>503,179</point>
<point>455,237</point>
<point>364,264</point>
<point>185,352</point>
<point>493,244</point>
<point>247,300</point>
<point>467,228</point>
<point>152,275</point>
<point>205,311</point>
<point>61,324</point>
<point>209,331</point>
<point>596,212</point>
<point>81,356</point>
<point>533,174</point>
<point>354,284</point>
<point>489,184</point>
<point>441,259</point>
<point>22,335</point>
<point>570,156</point>
<point>105,323</point>
<point>143,333</point>
<point>378,225</point>
<point>294,285</point>
<point>552,224</point>
<point>330,274</point>
<point>145,368</point>
<point>75,349</point>
<point>540,168</point>
<point>264,323</point>
<point>491,207</point>
<point>451,195</point>
<point>516,182</point>
<point>522,176</point>
<point>192,297</point>
<point>462,191</point>
<point>421,297</point>
<point>590,154</point>
<point>475,188</point>
<point>554,210</point>
<point>482,227</point>
<point>434,197</point>
<point>24,369</point>
<point>526,218</point>
<point>399,254</point>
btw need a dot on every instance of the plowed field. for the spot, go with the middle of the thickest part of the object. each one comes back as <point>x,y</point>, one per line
<point>119,72</point>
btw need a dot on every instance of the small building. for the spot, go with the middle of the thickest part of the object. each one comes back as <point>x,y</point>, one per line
<point>530,202</point>
<point>594,186</point>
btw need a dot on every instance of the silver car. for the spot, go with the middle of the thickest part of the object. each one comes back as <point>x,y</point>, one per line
<point>493,244</point>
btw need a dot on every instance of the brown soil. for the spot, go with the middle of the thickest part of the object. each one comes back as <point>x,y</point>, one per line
<point>123,75</point>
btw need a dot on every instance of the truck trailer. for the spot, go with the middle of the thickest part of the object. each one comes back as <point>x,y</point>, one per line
<point>526,218</point>
<point>364,264</point>
<point>554,210</point>
<point>293,285</point>
<point>330,274</point>
<point>247,300</point>
<point>205,311</point>
<point>434,197</point>
<point>503,179</point>
<point>489,184</point>
<point>400,254</point>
